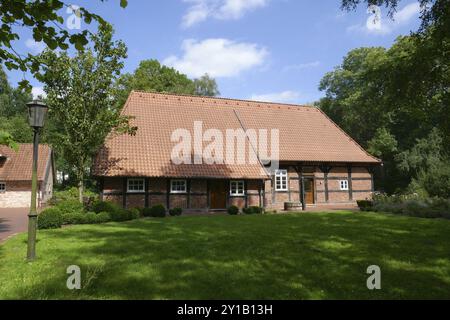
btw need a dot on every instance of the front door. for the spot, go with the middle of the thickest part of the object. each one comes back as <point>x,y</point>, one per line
<point>309,190</point>
<point>218,191</point>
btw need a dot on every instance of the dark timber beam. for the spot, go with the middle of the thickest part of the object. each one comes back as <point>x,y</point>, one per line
<point>350,186</point>
<point>124,188</point>
<point>326,170</point>
<point>168,194</point>
<point>301,185</point>
<point>146,186</point>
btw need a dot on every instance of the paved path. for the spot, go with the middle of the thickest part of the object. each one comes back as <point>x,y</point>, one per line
<point>12,221</point>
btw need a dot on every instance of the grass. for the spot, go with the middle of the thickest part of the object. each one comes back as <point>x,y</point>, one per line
<point>294,256</point>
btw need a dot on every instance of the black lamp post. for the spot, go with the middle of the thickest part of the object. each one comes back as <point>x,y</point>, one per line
<point>36,116</point>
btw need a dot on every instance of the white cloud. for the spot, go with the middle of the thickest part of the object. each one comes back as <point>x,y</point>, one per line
<point>35,47</point>
<point>38,92</point>
<point>201,10</point>
<point>383,26</point>
<point>282,97</point>
<point>217,57</point>
<point>301,66</point>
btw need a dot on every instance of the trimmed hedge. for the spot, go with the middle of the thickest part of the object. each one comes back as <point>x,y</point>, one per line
<point>233,210</point>
<point>253,210</point>
<point>50,218</point>
<point>103,217</point>
<point>134,213</point>
<point>176,212</point>
<point>157,211</point>
<point>74,218</point>
<point>365,205</point>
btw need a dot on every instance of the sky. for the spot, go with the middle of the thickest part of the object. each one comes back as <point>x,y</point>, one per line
<point>269,50</point>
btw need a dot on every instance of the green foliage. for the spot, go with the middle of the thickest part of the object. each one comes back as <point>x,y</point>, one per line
<point>175,212</point>
<point>134,213</point>
<point>79,91</point>
<point>253,210</point>
<point>157,211</point>
<point>152,76</point>
<point>103,217</point>
<point>365,205</point>
<point>206,86</point>
<point>413,205</point>
<point>7,140</point>
<point>74,218</point>
<point>233,210</point>
<point>50,218</point>
<point>45,21</point>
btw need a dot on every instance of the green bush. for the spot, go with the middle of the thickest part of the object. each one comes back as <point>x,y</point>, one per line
<point>70,206</point>
<point>74,218</point>
<point>233,210</point>
<point>50,218</point>
<point>105,206</point>
<point>146,212</point>
<point>365,205</point>
<point>252,210</point>
<point>176,212</point>
<point>413,205</point>
<point>70,194</point>
<point>103,217</point>
<point>157,211</point>
<point>134,213</point>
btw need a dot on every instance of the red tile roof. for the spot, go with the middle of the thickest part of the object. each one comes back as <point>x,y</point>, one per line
<point>306,134</point>
<point>17,166</point>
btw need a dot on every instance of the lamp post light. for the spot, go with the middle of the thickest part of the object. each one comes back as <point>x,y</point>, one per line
<point>36,116</point>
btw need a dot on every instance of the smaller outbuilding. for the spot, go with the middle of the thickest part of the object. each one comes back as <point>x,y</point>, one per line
<point>15,175</point>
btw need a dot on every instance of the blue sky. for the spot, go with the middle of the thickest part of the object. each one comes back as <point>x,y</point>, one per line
<point>274,50</point>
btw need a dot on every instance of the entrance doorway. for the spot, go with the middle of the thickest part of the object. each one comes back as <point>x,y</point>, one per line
<point>218,191</point>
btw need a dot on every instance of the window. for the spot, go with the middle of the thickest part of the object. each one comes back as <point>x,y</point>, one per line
<point>237,188</point>
<point>343,184</point>
<point>178,186</point>
<point>2,187</point>
<point>281,180</point>
<point>136,185</point>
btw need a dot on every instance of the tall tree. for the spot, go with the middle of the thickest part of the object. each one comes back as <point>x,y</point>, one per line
<point>44,20</point>
<point>79,94</point>
<point>206,86</point>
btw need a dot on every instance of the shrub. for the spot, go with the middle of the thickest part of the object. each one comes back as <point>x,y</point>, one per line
<point>134,213</point>
<point>146,212</point>
<point>233,210</point>
<point>103,217</point>
<point>157,211</point>
<point>105,206</point>
<point>50,218</point>
<point>74,218</point>
<point>70,194</point>
<point>70,206</point>
<point>365,205</point>
<point>91,218</point>
<point>252,210</point>
<point>175,212</point>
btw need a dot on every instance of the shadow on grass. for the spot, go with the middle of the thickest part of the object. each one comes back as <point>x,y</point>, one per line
<point>306,256</point>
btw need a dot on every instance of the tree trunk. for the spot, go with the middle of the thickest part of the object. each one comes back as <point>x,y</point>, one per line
<point>80,187</point>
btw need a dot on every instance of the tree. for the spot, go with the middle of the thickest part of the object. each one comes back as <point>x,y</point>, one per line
<point>206,86</point>
<point>44,21</point>
<point>7,140</point>
<point>152,76</point>
<point>79,94</point>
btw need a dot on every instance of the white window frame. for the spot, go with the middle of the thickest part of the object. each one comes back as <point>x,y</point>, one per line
<point>3,190</point>
<point>343,184</point>
<point>178,191</point>
<point>282,175</point>
<point>135,180</point>
<point>237,188</point>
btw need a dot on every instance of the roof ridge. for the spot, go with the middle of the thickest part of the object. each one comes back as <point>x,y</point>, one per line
<point>223,98</point>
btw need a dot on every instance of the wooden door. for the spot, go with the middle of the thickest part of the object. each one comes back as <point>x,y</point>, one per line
<point>309,190</point>
<point>218,191</point>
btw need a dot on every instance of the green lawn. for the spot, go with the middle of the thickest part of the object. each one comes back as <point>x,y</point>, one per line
<point>295,256</point>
